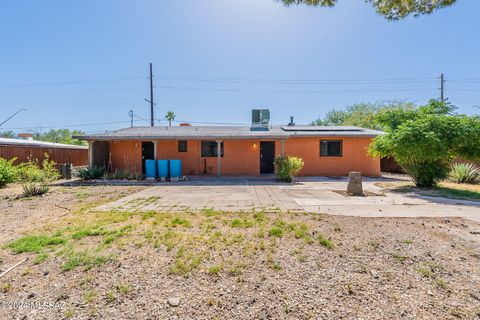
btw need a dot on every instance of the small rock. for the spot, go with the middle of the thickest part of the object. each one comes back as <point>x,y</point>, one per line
<point>174,302</point>
<point>374,274</point>
<point>430,293</point>
<point>31,295</point>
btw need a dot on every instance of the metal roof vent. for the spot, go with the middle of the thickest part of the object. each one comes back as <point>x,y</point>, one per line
<point>292,123</point>
<point>260,119</point>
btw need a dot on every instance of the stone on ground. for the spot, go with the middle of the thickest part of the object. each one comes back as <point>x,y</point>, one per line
<point>355,187</point>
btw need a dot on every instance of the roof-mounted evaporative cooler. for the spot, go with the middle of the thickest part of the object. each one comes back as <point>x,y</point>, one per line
<point>260,119</point>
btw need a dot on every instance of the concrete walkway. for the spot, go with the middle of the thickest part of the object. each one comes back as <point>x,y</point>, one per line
<point>318,194</point>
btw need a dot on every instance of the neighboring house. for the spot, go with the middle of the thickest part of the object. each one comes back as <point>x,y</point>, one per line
<point>26,149</point>
<point>244,150</point>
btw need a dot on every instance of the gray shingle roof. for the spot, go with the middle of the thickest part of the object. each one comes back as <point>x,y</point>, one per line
<point>229,132</point>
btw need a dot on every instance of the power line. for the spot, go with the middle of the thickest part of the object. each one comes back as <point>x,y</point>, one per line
<point>70,82</point>
<point>291,91</point>
<point>208,122</point>
<point>73,125</point>
<point>245,80</point>
<point>69,92</point>
<point>214,89</point>
<point>295,81</point>
<point>463,79</point>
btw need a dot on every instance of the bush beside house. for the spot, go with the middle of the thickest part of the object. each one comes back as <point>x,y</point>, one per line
<point>286,168</point>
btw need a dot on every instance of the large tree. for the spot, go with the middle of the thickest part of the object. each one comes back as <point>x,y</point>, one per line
<point>390,9</point>
<point>360,114</point>
<point>424,141</point>
<point>61,136</point>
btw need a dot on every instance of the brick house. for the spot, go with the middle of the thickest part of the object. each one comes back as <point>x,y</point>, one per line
<point>244,150</point>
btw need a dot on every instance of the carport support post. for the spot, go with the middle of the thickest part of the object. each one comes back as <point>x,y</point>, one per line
<point>219,158</point>
<point>90,154</point>
<point>155,148</point>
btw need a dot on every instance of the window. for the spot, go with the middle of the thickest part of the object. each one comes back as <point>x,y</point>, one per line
<point>330,148</point>
<point>182,146</point>
<point>209,149</point>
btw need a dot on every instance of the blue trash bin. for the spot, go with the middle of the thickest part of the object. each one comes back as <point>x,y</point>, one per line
<point>162,168</point>
<point>150,169</point>
<point>175,169</point>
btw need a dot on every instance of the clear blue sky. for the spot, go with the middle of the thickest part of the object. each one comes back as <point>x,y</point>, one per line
<point>54,53</point>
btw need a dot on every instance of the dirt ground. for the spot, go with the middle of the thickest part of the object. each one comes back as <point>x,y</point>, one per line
<point>85,264</point>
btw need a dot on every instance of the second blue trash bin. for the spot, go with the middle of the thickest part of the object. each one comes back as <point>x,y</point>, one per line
<point>162,169</point>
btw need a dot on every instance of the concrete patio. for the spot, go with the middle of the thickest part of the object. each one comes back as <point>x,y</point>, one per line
<point>313,194</point>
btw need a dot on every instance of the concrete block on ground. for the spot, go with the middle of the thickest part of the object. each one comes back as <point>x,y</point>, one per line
<point>355,187</point>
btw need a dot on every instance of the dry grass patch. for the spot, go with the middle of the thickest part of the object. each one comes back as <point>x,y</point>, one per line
<point>443,189</point>
<point>204,241</point>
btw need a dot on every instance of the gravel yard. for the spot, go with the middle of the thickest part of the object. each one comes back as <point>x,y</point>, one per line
<point>148,264</point>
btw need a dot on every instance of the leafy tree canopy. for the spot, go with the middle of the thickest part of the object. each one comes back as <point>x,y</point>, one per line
<point>361,114</point>
<point>390,9</point>
<point>7,134</point>
<point>60,136</point>
<point>425,140</point>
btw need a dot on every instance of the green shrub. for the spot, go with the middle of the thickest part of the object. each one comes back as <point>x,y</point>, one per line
<point>426,174</point>
<point>8,172</point>
<point>287,168</point>
<point>464,173</point>
<point>29,172</point>
<point>425,140</point>
<point>91,173</point>
<point>36,180</point>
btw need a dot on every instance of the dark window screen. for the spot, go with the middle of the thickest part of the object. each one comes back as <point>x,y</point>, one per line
<point>330,148</point>
<point>209,148</point>
<point>182,146</point>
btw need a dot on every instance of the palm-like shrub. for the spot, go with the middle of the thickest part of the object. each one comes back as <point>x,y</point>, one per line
<point>287,168</point>
<point>464,173</point>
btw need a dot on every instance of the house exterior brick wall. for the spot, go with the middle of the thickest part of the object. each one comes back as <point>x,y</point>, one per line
<point>242,157</point>
<point>126,155</point>
<point>354,157</point>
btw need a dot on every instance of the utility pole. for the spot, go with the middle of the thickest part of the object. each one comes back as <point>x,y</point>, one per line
<point>442,88</point>
<point>152,121</point>
<point>130,113</point>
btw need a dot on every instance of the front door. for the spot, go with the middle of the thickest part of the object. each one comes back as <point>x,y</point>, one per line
<point>267,156</point>
<point>147,153</point>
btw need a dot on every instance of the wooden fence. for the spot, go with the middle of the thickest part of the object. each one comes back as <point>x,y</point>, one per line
<point>78,157</point>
